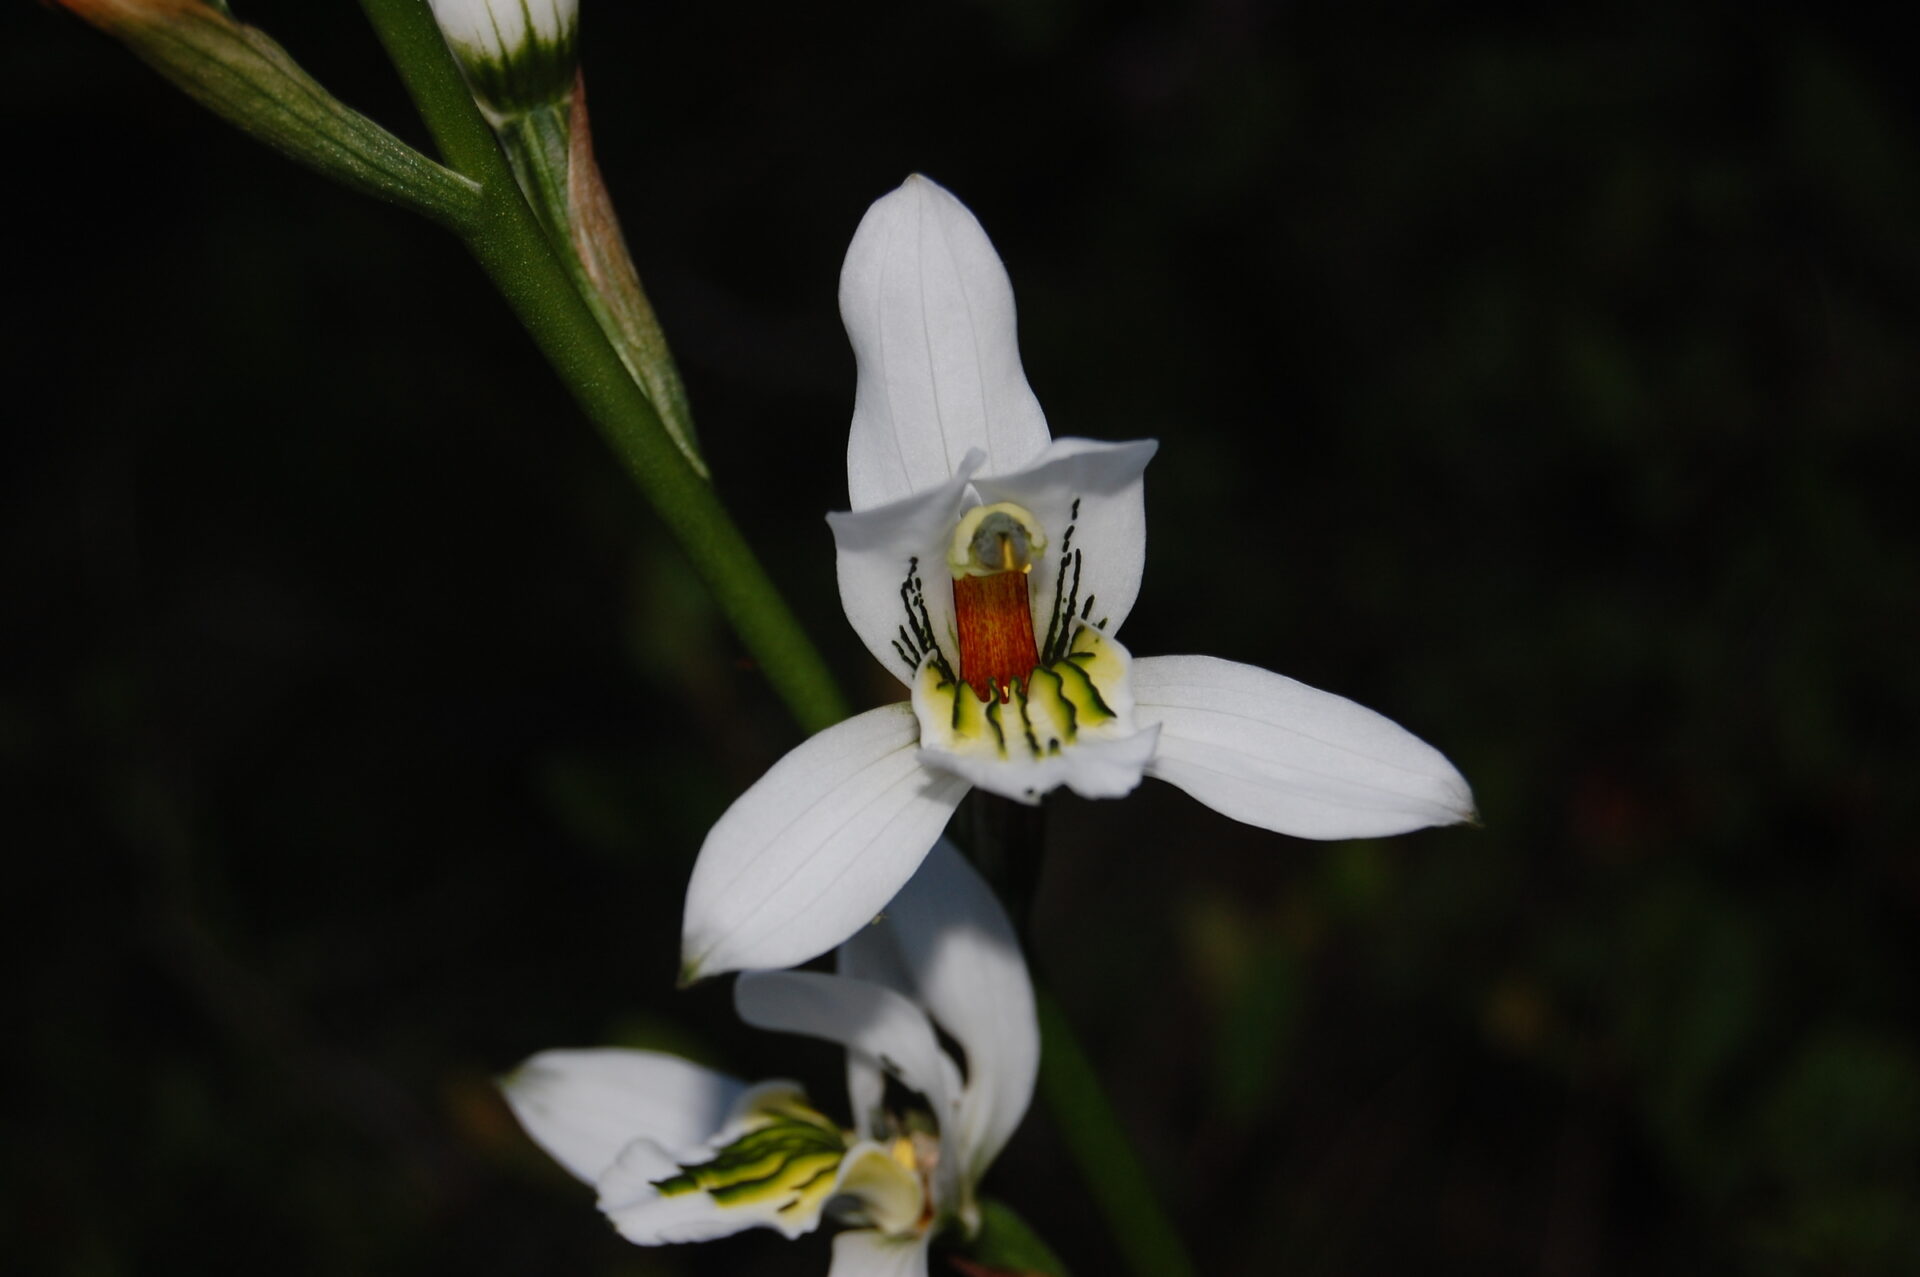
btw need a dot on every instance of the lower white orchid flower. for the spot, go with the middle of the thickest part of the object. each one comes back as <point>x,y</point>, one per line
<point>990,567</point>
<point>680,1153</point>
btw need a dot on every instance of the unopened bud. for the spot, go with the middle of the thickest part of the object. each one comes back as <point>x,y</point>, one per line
<point>517,54</point>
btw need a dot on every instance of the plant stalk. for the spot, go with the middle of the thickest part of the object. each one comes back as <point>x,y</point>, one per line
<point>510,246</point>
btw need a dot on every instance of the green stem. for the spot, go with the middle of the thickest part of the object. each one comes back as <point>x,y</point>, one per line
<point>1084,1115</point>
<point>510,246</point>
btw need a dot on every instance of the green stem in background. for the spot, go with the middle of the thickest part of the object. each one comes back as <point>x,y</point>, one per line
<point>1087,1122</point>
<point>508,242</point>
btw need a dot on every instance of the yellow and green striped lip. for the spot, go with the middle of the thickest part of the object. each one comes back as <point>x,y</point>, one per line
<point>787,1159</point>
<point>1039,718</point>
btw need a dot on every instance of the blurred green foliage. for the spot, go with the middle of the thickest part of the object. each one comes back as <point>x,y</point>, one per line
<point>1544,381</point>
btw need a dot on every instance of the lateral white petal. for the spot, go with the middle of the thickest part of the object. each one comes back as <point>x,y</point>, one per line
<point>874,552</point>
<point>816,847</point>
<point>583,1107</point>
<point>929,311</point>
<point>946,943</point>
<point>866,1018</point>
<point>1105,480</point>
<point>865,1253</point>
<point>1276,753</point>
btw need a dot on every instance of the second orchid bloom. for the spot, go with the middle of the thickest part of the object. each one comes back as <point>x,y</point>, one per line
<point>680,1153</point>
<point>990,567</point>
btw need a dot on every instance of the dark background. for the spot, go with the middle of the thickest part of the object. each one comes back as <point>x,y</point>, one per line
<point>1546,383</point>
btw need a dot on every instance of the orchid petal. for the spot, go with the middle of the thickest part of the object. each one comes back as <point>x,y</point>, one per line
<point>876,549</point>
<point>866,1018</point>
<point>584,1107</point>
<point>865,1253</point>
<point>929,310</point>
<point>1043,735</point>
<point>1276,753</point>
<point>1091,768</point>
<point>946,943</point>
<point>787,1162</point>
<point>816,847</point>
<point>1103,482</point>
<point>630,1198</point>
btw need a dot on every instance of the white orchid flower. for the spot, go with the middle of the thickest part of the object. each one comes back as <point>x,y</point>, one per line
<point>680,1153</point>
<point>990,567</point>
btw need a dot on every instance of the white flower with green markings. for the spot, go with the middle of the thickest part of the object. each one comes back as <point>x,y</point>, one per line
<point>990,567</point>
<point>680,1153</point>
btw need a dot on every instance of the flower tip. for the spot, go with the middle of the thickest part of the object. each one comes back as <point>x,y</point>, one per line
<point>919,188</point>
<point>690,974</point>
<point>1462,807</point>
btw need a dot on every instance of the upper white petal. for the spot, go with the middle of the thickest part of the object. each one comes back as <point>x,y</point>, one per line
<point>583,1107</point>
<point>867,1019</point>
<point>865,1253</point>
<point>929,311</point>
<point>1276,753</point>
<point>1104,480</point>
<point>816,847</point>
<point>946,943</point>
<point>873,550</point>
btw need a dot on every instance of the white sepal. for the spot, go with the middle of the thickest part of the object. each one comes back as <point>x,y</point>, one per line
<point>929,310</point>
<point>583,1107</point>
<point>1276,753</point>
<point>816,847</point>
